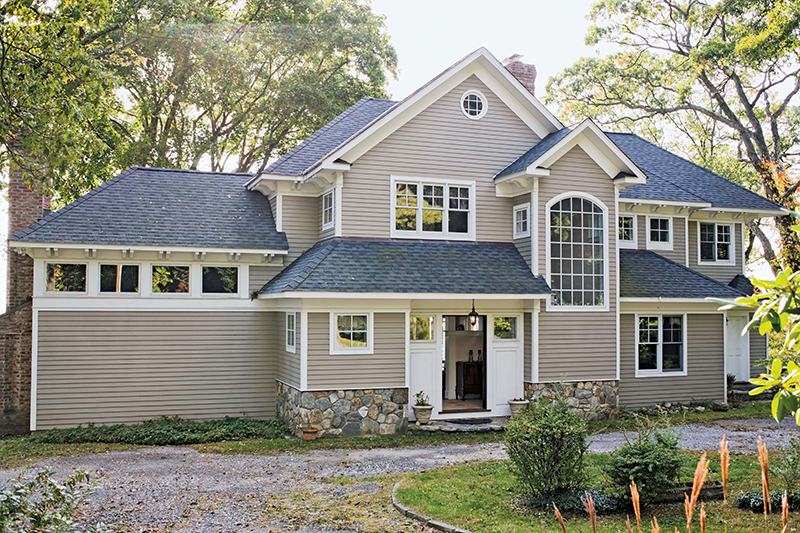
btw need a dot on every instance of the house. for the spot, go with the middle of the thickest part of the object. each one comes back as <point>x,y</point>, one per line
<point>462,242</point>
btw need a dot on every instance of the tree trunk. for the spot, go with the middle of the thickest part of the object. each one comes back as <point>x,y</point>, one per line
<point>766,247</point>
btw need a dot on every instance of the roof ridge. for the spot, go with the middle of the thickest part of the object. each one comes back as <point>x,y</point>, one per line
<point>192,171</point>
<point>294,283</point>
<point>55,214</point>
<point>668,260</point>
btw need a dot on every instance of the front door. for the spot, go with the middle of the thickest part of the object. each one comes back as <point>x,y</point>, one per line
<point>737,348</point>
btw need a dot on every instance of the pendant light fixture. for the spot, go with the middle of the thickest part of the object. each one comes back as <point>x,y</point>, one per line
<point>473,316</point>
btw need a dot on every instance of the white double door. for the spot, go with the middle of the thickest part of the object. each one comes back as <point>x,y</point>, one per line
<point>504,370</point>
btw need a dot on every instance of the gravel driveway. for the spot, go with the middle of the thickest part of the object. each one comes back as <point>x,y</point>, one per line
<point>179,489</point>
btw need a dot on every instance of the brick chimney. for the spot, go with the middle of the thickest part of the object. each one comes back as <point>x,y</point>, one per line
<point>525,73</point>
<point>25,206</point>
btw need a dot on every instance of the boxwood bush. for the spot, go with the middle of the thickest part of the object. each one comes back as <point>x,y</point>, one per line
<point>546,446</point>
<point>569,502</point>
<point>754,501</point>
<point>166,432</point>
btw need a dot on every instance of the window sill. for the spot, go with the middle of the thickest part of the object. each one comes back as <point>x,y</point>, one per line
<point>720,263</point>
<point>432,236</point>
<point>291,349</point>
<point>628,245</point>
<point>522,235</point>
<point>666,247</point>
<point>577,308</point>
<point>351,352</point>
<point>328,227</point>
<point>660,374</point>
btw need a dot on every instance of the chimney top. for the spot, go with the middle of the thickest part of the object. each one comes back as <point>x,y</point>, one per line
<point>525,73</point>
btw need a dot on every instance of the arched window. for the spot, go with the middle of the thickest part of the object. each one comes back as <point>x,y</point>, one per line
<point>577,253</point>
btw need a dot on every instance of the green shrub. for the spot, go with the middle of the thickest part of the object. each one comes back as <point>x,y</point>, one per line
<point>166,432</point>
<point>652,461</point>
<point>546,446</point>
<point>45,506</point>
<point>570,502</point>
<point>754,501</point>
<point>788,468</point>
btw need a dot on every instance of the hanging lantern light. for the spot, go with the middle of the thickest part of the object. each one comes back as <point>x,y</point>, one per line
<point>473,316</point>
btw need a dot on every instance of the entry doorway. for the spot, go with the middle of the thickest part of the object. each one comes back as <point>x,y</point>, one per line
<point>464,364</point>
<point>737,348</point>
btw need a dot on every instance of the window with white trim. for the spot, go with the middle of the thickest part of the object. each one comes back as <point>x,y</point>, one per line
<point>433,210</point>
<point>220,280</point>
<point>473,105</point>
<point>119,278</point>
<point>328,209</point>
<point>420,328</point>
<point>716,243</point>
<point>522,221</point>
<point>626,235</point>
<point>351,333</point>
<point>659,233</point>
<point>660,345</point>
<point>505,327</point>
<point>577,253</point>
<point>66,277</point>
<point>291,332</point>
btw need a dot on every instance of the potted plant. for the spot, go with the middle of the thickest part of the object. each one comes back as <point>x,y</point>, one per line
<point>422,409</point>
<point>309,431</point>
<point>518,406</point>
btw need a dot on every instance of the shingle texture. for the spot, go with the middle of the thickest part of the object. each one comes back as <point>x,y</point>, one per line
<point>534,153</point>
<point>742,284</point>
<point>399,266</point>
<point>646,274</point>
<point>328,138</point>
<point>670,177</point>
<point>162,207</point>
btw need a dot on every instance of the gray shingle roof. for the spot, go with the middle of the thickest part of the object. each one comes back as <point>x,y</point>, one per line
<point>534,153</point>
<point>742,284</point>
<point>165,207</point>
<point>670,177</point>
<point>646,274</point>
<point>328,138</point>
<point>400,266</point>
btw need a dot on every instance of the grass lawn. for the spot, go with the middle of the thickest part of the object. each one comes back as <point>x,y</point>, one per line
<point>20,451</point>
<point>483,497</point>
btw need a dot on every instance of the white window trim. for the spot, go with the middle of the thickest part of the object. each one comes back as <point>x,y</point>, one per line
<point>660,245</point>
<point>483,99</point>
<point>332,224</point>
<point>520,326</point>
<point>105,294</point>
<point>62,294</point>
<point>291,348</point>
<point>732,253</point>
<point>517,208</point>
<point>193,278</point>
<point>335,350</point>
<point>427,235</point>
<point>659,372</point>
<point>200,266</point>
<point>634,244</point>
<point>549,306</point>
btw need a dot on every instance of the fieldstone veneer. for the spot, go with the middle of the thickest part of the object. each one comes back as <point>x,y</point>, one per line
<point>595,399</point>
<point>345,412</point>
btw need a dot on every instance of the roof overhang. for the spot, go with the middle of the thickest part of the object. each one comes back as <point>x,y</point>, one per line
<point>52,249</point>
<point>400,295</point>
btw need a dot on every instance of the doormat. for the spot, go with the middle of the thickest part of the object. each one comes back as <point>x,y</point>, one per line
<point>470,421</point>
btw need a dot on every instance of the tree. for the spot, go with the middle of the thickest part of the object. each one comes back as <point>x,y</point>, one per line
<point>222,85</point>
<point>733,66</point>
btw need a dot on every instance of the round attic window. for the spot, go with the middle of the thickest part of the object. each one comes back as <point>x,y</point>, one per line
<point>474,104</point>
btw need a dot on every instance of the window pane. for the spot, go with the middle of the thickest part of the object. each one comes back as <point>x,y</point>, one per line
<point>647,357</point>
<point>405,219</point>
<point>421,328</point>
<point>505,327</point>
<point>672,359</point>
<point>63,277</point>
<point>344,339</point>
<point>458,222</point>
<point>432,220</point>
<point>706,251</point>
<point>119,278</point>
<point>723,252</point>
<point>360,323</point>
<point>359,339</point>
<point>170,278</point>
<point>344,322</point>
<point>221,280</point>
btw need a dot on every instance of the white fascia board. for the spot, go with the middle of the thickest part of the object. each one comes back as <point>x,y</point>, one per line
<point>667,300</point>
<point>642,201</point>
<point>604,148</point>
<point>137,248</point>
<point>480,63</point>
<point>756,212</point>
<point>250,185</point>
<point>399,296</point>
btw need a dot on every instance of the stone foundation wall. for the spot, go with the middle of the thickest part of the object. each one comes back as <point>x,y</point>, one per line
<point>596,399</point>
<point>344,412</point>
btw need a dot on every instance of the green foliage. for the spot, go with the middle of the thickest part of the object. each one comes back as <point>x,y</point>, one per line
<point>754,501</point>
<point>166,432</point>
<point>43,505</point>
<point>170,279</point>
<point>546,447</point>
<point>788,468</point>
<point>652,460</point>
<point>570,502</point>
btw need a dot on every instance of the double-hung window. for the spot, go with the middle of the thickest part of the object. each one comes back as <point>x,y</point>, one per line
<point>716,243</point>
<point>577,254</point>
<point>626,235</point>
<point>329,209</point>
<point>659,233</point>
<point>660,345</point>
<point>433,209</point>
<point>291,332</point>
<point>522,221</point>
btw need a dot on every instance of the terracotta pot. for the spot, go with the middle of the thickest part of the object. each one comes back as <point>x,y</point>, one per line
<point>517,407</point>
<point>422,413</point>
<point>310,433</point>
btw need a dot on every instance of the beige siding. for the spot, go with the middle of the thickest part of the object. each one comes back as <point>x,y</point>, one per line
<point>301,224</point>
<point>528,372</point>
<point>261,274</point>
<point>705,365</point>
<point>288,362</point>
<point>758,352</point>
<point>678,252</point>
<point>440,142</point>
<point>384,368</point>
<point>581,344</point>
<point>113,366</point>
<point>723,273</point>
